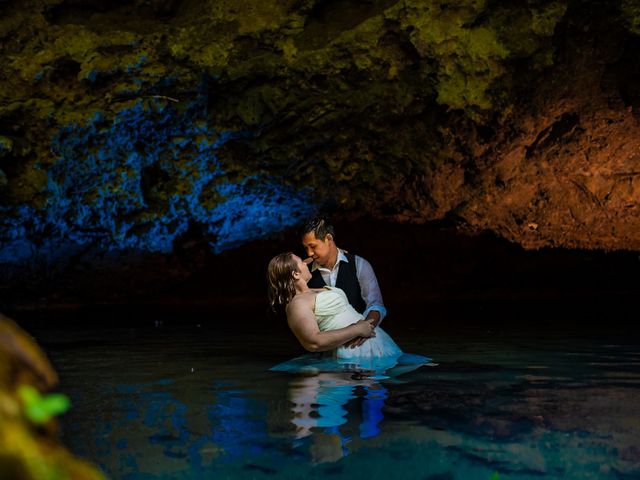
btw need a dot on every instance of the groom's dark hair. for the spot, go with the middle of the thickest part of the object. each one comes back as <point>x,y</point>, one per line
<point>320,226</point>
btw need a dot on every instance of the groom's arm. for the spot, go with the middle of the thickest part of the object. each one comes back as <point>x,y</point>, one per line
<point>370,290</point>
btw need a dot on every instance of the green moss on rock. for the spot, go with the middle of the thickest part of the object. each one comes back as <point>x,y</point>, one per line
<point>471,43</point>
<point>631,14</point>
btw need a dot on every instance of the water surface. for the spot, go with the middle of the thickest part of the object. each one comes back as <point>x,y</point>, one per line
<point>158,401</point>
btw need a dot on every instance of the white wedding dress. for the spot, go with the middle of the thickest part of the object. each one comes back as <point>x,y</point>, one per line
<point>375,356</point>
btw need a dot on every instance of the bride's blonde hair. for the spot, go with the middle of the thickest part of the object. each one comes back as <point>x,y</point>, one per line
<point>280,280</point>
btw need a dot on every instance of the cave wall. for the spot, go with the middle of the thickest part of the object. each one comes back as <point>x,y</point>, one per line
<point>142,125</point>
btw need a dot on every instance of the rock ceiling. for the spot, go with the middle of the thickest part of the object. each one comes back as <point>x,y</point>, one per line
<point>131,124</point>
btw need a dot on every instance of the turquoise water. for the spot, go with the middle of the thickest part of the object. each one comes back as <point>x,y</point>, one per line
<point>162,402</point>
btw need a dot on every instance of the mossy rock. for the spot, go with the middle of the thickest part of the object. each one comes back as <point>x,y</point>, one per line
<point>29,449</point>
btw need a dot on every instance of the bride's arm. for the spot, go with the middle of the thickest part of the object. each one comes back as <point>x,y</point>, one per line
<point>303,324</point>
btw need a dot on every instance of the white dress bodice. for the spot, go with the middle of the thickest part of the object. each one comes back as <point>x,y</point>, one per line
<point>333,311</point>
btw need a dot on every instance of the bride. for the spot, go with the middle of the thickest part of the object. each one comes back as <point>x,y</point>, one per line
<point>323,321</point>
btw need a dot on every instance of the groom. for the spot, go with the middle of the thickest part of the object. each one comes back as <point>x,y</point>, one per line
<point>338,268</point>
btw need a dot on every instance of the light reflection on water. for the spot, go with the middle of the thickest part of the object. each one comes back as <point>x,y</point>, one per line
<point>170,403</point>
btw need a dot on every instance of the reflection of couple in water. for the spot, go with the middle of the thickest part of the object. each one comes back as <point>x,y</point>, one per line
<point>331,411</point>
<point>322,309</point>
<point>322,297</point>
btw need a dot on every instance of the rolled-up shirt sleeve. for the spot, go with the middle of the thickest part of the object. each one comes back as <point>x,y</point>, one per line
<point>369,288</point>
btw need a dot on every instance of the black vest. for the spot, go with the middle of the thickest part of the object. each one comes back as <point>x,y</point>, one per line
<point>347,280</point>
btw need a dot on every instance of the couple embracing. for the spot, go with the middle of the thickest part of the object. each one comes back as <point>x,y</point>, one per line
<point>333,304</point>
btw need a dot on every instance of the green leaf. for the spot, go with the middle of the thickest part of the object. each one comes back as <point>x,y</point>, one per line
<point>39,409</point>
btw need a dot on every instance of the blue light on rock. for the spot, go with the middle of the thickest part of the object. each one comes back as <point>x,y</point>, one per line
<point>142,180</point>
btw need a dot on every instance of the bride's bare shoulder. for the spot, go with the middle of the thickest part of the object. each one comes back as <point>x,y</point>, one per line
<point>302,300</point>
